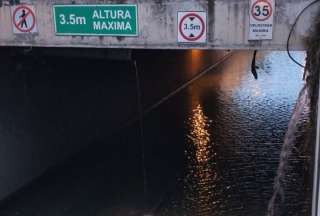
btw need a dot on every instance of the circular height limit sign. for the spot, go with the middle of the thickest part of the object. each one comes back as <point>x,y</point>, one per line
<point>23,19</point>
<point>192,27</point>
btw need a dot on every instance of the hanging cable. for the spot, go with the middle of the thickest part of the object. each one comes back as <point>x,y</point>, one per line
<point>292,30</point>
<point>140,110</point>
<point>186,84</point>
<point>146,111</point>
<point>316,173</point>
<point>253,65</point>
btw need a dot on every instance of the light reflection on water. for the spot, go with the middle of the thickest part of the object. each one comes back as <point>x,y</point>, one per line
<point>201,173</point>
<point>235,131</point>
<point>199,134</point>
<point>196,58</point>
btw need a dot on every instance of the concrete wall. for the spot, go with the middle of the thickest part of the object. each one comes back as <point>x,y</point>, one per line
<point>228,23</point>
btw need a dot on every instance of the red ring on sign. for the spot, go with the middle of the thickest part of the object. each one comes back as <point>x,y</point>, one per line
<point>257,2</point>
<point>16,24</point>
<point>185,36</point>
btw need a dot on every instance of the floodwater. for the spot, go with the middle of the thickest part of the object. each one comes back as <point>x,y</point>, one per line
<point>211,149</point>
<point>234,131</point>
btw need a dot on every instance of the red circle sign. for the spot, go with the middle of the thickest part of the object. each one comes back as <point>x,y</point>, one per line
<point>261,10</point>
<point>200,31</point>
<point>22,22</point>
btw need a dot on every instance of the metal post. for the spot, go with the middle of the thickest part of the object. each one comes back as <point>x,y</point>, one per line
<point>316,179</point>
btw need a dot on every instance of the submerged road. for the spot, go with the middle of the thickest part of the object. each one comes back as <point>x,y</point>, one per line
<point>212,149</point>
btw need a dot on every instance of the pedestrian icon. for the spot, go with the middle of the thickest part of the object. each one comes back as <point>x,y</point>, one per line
<point>23,19</point>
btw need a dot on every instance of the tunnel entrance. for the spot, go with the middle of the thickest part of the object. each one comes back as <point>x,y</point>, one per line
<point>212,133</point>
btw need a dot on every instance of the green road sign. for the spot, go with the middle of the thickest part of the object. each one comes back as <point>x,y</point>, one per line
<point>96,20</point>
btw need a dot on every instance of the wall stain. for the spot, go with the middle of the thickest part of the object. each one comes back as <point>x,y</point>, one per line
<point>211,14</point>
<point>9,2</point>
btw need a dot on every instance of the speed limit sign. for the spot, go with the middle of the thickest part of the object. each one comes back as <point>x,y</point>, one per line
<point>261,19</point>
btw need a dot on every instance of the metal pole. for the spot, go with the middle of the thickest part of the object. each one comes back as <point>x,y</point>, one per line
<point>316,179</point>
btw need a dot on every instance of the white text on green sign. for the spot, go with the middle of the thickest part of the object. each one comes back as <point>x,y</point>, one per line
<point>99,20</point>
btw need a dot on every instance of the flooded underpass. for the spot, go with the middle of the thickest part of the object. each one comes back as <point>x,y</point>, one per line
<point>211,148</point>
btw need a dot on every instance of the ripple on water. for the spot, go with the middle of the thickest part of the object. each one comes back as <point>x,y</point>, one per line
<point>234,137</point>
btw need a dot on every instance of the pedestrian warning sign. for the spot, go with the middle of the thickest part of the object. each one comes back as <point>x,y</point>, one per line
<point>23,19</point>
<point>261,19</point>
<point>192,27</point>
